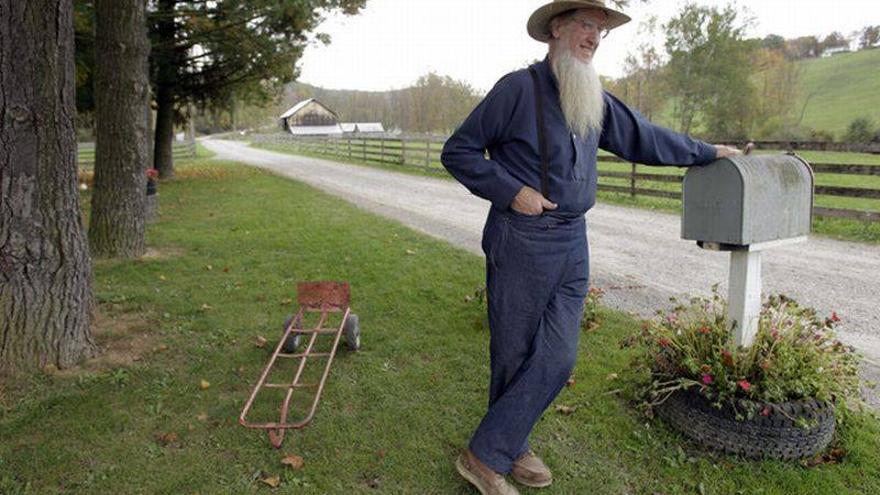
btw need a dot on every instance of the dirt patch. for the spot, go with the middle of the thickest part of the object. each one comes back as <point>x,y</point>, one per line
<point>162,253</point>
<point>124,339</point>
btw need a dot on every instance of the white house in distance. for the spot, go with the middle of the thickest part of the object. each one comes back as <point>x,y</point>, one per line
<point>313,118</point>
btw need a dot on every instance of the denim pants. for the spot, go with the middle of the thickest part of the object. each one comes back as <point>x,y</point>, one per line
<point>537,271</point>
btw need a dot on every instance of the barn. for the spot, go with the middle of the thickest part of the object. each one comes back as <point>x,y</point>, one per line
<point>311,118</point>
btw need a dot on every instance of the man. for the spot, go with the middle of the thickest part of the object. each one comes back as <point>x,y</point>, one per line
<point>541,178</point>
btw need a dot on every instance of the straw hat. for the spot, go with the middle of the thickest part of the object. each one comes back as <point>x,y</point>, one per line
<point>539,22</point>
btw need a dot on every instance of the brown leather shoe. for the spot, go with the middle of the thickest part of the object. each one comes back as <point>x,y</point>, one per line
<point>530,470</point>
<point>488,482</point>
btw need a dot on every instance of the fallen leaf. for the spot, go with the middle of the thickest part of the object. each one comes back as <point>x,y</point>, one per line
<point>206,307</point>
<point>294,461</point>
<point>161,277</point>
<point>381,453</point>
<point>566,410</point>
<point>611,376</point>
<point>570,382</point>
<point>272,481</point>
<point>260,341</point>
<point>166,439</point>
<point>209,267</point>
<point>286,301</point>
<point>410,252</point>
<point>204,384</point>
<point>225,269</point>
<point>202,417</point>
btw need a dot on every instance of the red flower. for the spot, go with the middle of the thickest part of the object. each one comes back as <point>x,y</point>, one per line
<point>834,317</point>
<point>745,385</point>
<point>152,173</point>
<point>704,330</point>
<point>726,357</point>
<point>765,411</point>
<point>664,342</point>
<point>707,379</point>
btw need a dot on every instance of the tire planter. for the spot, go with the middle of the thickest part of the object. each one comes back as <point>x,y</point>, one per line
<point>777,436</point>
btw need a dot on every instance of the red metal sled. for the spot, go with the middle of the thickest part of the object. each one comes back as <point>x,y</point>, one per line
<point>325,298</point>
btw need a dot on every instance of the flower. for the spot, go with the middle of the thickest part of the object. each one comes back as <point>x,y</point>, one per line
<point>664,342</point>
<point>152,173</point>
<point>726,357</point>
<point>765,365</point>
<point>765,411</point>
<point>704,330</point>
<point>705,368</point>
<point>834,317</point>
<point>707,379</point>
<point>745,385</point>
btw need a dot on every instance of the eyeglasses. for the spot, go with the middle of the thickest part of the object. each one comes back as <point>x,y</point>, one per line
<point>591,26</point>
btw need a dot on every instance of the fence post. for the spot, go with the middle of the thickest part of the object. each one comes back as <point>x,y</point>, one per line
<point>365,148</point>
<point>632,180</point>
<point>402,151</point>
<point>382,144</point>
<point>349,148</point>
<point>427,152</point>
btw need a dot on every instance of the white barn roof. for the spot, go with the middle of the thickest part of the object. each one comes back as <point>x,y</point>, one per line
<point>362,127</point>
<point>348,126</point>
<point>315,130</point>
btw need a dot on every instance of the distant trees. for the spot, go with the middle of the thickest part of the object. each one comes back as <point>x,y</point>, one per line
<point>434,104</point>
<point>869,37</point>
<point>643,84</point>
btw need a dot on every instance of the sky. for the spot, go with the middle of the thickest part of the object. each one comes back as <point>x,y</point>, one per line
<point>394,42</point>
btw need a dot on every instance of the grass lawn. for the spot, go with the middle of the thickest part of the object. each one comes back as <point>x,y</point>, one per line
<point>225,257</point>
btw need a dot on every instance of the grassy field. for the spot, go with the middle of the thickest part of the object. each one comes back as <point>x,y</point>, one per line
<point>843,87</point>
<point>844,229</point>
<point>225,256</point>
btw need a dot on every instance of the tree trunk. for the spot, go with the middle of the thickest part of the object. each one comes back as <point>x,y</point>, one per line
<point>116,228</point>
<point>163,154</point>
<point>166,81</point>
<point>45,269</point>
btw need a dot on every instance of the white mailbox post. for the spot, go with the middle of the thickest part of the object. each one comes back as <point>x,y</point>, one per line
<point>746,204</point>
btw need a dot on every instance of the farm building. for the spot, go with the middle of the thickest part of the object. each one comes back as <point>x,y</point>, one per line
<point>310,118</point>
<point>362,127</point>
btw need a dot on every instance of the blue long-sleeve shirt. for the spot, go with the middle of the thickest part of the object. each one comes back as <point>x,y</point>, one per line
<point>504,124</point>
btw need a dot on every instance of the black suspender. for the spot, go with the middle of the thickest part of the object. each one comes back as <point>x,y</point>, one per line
<point>542,136</point>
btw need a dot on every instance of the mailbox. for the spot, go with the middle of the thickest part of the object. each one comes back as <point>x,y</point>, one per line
<point>747,200</point>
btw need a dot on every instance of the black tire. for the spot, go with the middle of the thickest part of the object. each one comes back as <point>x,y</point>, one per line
<point>293,339</point>
<point>352,331</point>
<point>777,436</point>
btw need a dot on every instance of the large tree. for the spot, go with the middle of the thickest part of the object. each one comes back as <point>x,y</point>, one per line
<point>45,270</point>
<point>708,72</point>
<point>210,52</point>
<point>116,228</point>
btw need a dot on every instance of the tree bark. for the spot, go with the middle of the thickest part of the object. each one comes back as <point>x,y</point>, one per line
<point>116,227</point>
<point>166,81</point>
<point>45,269</point>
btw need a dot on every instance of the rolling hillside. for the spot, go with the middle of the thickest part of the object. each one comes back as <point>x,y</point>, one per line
<point>841,88</point>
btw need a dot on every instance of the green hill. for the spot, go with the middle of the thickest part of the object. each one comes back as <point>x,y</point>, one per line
<point>839,89</point>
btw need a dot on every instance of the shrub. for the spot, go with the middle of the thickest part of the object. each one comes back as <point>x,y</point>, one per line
<point>795,355</point>
<point>860,130</point>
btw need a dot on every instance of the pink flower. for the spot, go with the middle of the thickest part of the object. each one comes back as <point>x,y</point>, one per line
<point>765,411</point>
<point>664,342</point>
<point>707,379</point>
<point>152,173</point>
<point>834,317</point>
<point>745,385</point>
<point>704,330</point>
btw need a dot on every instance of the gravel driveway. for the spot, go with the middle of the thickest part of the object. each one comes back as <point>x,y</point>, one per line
<point>636,255</point>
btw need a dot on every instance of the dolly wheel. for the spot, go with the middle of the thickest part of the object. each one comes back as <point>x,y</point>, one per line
<point>352,329</point>
<point>293,339</point>
<point>276,437</point>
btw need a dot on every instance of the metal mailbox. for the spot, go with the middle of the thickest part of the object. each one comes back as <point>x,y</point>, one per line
<point>747,200</point>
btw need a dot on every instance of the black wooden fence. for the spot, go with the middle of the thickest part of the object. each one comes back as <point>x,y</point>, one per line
<point>424,152</point>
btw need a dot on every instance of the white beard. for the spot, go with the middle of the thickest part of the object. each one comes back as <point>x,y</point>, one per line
<point>580,93</point>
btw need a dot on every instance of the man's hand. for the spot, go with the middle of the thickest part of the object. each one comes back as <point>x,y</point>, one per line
<point>530,202</point>
<point>722,151</point>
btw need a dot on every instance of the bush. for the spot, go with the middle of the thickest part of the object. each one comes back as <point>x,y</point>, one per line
<point>795,355</point>
<point>860,130</point>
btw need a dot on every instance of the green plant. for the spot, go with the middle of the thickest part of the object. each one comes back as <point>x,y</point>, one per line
<point>860,130</point>
<point>795,355</point>
<point>592,317</point>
